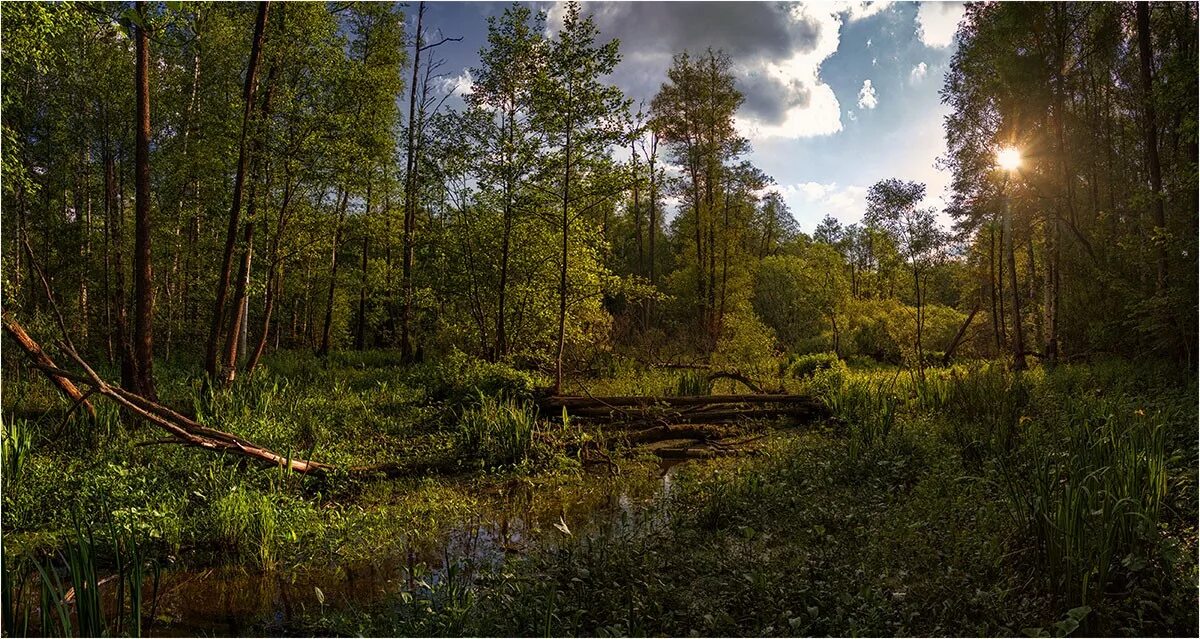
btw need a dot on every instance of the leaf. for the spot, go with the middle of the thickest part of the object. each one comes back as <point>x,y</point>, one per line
<point>320,595</point>
<point>133,17</point>
<point>1066,626</point>
<point>562,526</point>
<point>1079,613</point>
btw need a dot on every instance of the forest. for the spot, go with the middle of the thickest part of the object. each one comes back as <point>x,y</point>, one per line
<point>302,338</point>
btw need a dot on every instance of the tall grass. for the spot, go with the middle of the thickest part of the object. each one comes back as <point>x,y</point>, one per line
<point>498,430</point>
<point>983,407</point>
<point>245,524</point>
<point>692,383</point>
<point>868,407</point>
<point>16,442</point>
<point>1094,500</point>
<point>77,609</point>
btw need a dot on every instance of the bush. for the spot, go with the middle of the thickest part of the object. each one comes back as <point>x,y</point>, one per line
<point>459,378</point>
<point>806,365</point>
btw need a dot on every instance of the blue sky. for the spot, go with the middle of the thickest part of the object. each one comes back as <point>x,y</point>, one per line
<point>839,95</point>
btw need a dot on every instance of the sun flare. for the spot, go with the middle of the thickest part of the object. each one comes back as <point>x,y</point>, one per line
<point>1008,158</point>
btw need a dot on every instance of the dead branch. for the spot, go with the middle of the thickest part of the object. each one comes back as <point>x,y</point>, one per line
<point>735,376</point>
<point>43,362</point>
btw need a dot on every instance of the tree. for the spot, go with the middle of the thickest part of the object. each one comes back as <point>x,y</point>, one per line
<point>143,283</point>
<point>582,116</point>
<point>212,356</point>
<point>693,112</point>
<point>894,206</point>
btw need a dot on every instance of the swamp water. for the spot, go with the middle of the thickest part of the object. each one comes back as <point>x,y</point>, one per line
<point>512,518</point>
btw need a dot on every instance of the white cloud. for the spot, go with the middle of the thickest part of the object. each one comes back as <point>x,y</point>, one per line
<point>859,10</point>
<point>918,72</point>
<point>937,22</point>
<point>851,115</point>
<point>821,114</point>
<point>868,43</point>
<point>866,96</point>
<point>460,84</point>
<point>810,201</point>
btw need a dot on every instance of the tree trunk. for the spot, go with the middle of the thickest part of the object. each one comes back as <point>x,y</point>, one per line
<point>323,350</point>
<point>1146,60</point>
<point>143,328</point>
<point>410,197</point>
<point>1010,256</point>
<point>212,354</point>
<point>35,353</point>
<point>562,273</point>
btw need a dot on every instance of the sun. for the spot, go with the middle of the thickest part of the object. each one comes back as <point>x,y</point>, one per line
<point>1008,158</point>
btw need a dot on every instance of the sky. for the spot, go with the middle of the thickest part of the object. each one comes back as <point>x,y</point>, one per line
<point>838,95</point>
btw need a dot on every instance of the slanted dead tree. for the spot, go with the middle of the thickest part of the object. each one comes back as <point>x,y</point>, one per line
<point>42,361</point>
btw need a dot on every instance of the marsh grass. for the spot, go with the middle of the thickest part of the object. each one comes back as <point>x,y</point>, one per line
<point>498,431</point>
<point>246,524</point>
<point>70,602</point>
<point>1092,502</point>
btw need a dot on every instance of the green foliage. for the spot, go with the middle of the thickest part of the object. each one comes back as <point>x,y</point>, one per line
<point>1095,499</point>
<point>692,383</point>
<point>804,366</point>
<point>458,379</point>
<point>245,524</point>
<point>498,431</point>
<point>868,408</point>
<point>15,447</point>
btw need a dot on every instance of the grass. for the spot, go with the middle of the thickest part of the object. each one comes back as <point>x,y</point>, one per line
<point>972,501</point>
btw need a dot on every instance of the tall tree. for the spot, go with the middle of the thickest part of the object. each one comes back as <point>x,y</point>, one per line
<point>895,206</point>
<point>212,360</point>
<point>143,291</point>
<point>582,115</point>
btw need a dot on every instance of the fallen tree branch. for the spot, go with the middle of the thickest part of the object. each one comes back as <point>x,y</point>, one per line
<point>735,376</point>
<point>43,362</point>
<point>572,401</point>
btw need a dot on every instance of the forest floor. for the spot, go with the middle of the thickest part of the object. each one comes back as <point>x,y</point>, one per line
<point>975,502</point>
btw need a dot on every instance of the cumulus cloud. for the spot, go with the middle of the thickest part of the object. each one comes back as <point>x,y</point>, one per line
<point>850,115</point>
<point>776,49</point>
<point>866,96</point>
<point>460,84</point>
<point>918,72</point>
<point>937,22</point>
<point>814,200</point>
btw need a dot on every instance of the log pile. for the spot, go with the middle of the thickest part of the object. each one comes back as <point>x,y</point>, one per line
<point>685,409</point>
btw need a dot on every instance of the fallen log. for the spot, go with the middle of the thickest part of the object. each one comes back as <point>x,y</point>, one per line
<point>42,361</point>
<point>578,402</point>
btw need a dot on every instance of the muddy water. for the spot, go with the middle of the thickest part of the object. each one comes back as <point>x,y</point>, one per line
<point>235,600</point>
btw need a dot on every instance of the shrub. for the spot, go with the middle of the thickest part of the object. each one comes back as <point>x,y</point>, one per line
<point>458,378</point>
<point>806,365</point>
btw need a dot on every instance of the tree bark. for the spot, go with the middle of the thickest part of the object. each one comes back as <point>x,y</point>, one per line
<point>410,197</point>
<point>1010,256</point>
<point>323,349</point>
<point>143,328</point>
